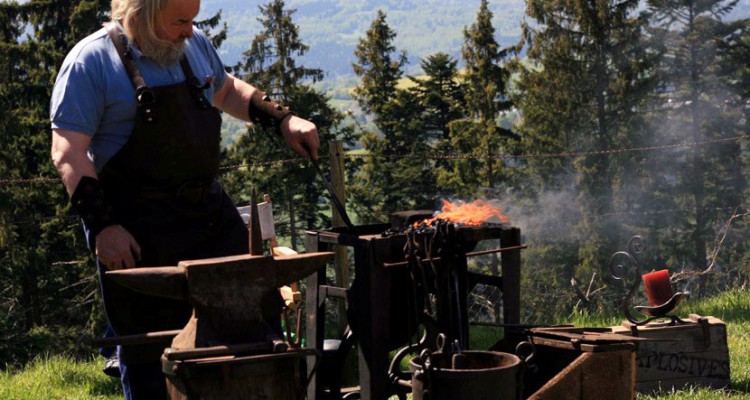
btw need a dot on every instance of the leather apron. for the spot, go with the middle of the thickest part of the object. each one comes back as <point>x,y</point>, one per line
<point>162,188</point>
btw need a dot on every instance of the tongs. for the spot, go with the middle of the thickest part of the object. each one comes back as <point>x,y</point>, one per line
<point>336,202</point>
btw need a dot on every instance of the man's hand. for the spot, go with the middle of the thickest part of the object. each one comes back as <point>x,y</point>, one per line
<point>301,135</point>
<point>116,248</point>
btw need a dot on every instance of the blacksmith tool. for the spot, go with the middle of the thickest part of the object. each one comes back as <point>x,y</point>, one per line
<point>336,202</point>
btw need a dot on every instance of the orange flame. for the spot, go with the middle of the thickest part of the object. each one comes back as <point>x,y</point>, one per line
<point>474,213</point>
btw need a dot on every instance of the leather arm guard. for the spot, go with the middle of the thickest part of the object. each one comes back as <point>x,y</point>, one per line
<point>266,112</point>
<point>88,200</point>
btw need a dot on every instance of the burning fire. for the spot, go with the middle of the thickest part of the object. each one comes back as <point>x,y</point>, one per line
<point>474,213</point>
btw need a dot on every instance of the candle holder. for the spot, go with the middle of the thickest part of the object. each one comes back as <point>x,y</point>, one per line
<point>618,264</point>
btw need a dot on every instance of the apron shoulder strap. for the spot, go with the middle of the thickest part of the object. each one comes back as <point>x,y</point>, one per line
<point>144,96</point>
<point>194,86</point>
<point>187,70</point>
<point>121,44</point>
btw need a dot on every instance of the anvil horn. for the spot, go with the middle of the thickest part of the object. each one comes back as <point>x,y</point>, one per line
<point>295,267</point>
<point>169,282</point>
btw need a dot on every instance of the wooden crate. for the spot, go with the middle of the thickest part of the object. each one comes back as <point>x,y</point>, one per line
<point>583,366</point>
<point>694,353</point>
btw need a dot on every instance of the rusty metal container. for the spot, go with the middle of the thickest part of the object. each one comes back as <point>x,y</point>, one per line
<point>485,375</point>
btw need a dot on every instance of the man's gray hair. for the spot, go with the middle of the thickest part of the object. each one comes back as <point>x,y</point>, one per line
<point>139,18</point>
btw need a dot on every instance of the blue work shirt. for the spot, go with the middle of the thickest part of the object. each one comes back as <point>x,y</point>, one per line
<point>93,94</point>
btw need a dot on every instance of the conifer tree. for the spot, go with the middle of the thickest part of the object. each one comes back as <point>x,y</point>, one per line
<point>589,76</point>
<point>270,60</point>
<point>440,93</point>
<point>485,84</point>
<point>45,268</point>
<point>707,104</point>
<point>270,64</point>
<point>206,25</point>
<point>395,175</point>
<point>378,66</point>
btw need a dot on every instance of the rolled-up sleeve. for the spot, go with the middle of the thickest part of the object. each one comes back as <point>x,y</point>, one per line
<point>77,99</point>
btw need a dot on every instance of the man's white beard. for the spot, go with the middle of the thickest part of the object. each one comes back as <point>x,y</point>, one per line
<point>164,54</point>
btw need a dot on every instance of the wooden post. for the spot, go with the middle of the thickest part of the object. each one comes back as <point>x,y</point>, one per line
<point>511,272</point>
<point>336,153</point>
<point>315,313</point>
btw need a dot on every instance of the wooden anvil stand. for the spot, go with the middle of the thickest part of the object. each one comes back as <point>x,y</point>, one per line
<point>230,349</point>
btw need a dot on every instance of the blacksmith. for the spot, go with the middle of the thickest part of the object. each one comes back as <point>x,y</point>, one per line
<point>135,138</point>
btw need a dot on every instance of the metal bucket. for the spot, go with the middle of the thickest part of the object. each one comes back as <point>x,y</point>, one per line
<point>484,375</point>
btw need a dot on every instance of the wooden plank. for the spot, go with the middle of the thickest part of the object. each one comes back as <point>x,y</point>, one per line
<point>593,376</point>
<point>590,337</point>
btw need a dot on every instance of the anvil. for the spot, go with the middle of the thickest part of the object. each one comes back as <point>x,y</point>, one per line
<point>235,299</point>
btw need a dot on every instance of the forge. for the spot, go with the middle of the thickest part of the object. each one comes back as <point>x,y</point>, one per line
<point>410,277</point>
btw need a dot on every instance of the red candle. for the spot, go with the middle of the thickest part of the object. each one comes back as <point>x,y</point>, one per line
<point>658,288</point>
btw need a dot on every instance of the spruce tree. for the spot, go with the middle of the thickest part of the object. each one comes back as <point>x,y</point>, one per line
<point>206,25</point>
<point>45,269</point>
<point>706,104</point>
<point>378,66</point>
<point>270,64</point>
<point>588,78</point>
<point>440,94</point>
<point>485,85</point>
<point>270,60</point>
<point>395,175</point>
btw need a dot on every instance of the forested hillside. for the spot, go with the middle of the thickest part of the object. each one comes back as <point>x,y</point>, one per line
<point>332,27</point>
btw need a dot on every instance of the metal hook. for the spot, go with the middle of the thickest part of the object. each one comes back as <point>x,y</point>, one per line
<point>440,342</point>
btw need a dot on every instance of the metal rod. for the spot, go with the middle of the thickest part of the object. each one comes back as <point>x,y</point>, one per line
<point>140,338</point>
<point>219,351</point>
<point>501,325</point>
<point>500,250</point>
<point>476,253</point>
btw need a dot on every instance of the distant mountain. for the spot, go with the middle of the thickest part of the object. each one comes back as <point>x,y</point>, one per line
<point>332,27</point>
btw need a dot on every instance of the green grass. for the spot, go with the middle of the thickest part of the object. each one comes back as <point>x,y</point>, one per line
<point>60,377</point>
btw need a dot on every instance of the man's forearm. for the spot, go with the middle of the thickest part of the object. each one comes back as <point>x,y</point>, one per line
<point>244,101</point>
<point>69,150</point>
<point>234,97</point>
